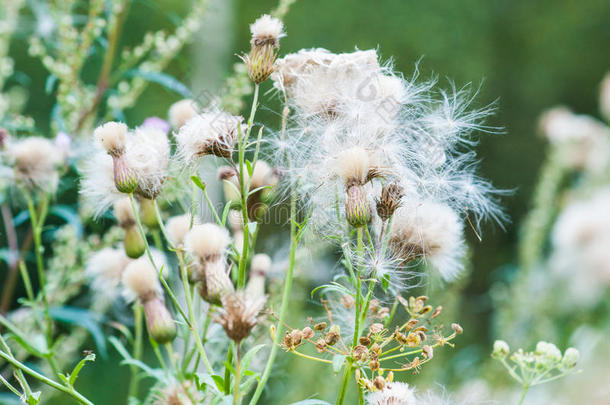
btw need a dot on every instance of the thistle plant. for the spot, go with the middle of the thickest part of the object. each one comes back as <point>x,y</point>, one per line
<point>540,366</point>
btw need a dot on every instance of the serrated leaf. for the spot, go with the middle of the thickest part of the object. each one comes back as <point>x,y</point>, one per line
<point>164,79</point>
<point>338,361</point>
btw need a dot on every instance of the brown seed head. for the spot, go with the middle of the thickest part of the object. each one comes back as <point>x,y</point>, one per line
<point>308,333</point>
<point>391,194</point>
<point>379,382</point>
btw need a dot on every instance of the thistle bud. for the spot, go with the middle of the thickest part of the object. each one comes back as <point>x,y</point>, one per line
<point>357,209</point>
<point>266,34</point>
<point>125,179</point>
<point>133,242</point>
<point>391,195</point>
<point>148,213</point>
<point>159,321</point>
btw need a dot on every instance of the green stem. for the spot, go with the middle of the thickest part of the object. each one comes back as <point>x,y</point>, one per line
<point>137,350</point>
<point>244,190</point>
<point>236,392</point>
<point>525,388</point>
<point>68,390</point>
<point>344,382</point>
<point>285,300</point>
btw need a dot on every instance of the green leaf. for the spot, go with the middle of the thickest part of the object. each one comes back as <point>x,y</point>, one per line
<point>225,212</point>
<point>198,182</point>
<point>21,218</point>
<point>248,357</point>
<point>50,84</point>
<point>385,282</point>
<point>219,381</point>
<point>85,318</point>
<point>165,80</point>
<point>79,366</point>
<point>338,361</point>
<point>34,399</point>
<point>250,168</point>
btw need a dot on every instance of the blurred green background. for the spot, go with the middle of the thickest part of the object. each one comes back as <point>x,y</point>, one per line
<point>526,54</point>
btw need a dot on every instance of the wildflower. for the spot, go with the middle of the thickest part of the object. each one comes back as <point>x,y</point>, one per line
<point>395,393</point>
<point>156,123</point>
<point>266,33</point>
<point>239,314</point>
<point>209,133</point>
<point>105,269</point>
<point>570,358</point>
<point>431,231</point>
<point>141,282</point>
<point>148,155</point>
<point>133,242</point>
<point>500,350</point>
<point>35,163</point>
<point>206,245</point>
<point>259,267</point>
<point>182,111</point>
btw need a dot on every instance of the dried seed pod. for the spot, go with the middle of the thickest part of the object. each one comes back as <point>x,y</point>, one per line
<point>436,312</point>
<point>411,324</point>
<point>379,382</point>
<point>375,349</point>
<point>457,328</point>
<point>413,339</point>
<point>321,345</point>
<point>365,341</point>
<point>374,365</point>
<point>332,336</point>
<point>400,337</point>
<point>348,301</point>
<point>375,328</point>
<point>428,352</point>
<point>320,326</point>
<point>360,352</point>
<point>308,333</point>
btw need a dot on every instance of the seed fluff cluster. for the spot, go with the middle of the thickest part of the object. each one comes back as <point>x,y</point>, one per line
<point>358,127</point>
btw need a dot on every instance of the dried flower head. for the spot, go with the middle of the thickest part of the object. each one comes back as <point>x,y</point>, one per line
<point>212,132</point>
<point>182,111</point>
<point>391,194</point>
<point>266,33</point>
<point>207,242</point>
<point>430,231</point>
<point>239,314</point>
<point>35,162</point>
<point>112,136</point>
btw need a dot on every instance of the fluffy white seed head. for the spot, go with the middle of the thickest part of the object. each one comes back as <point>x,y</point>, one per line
<point>267,29</point>
<point>394,393</point>
<point>261,264</point>
<point>353,164</point>
<point>178,227</point>
<point>123,212</point>
<point>112,136</point>
<point>430,231</point>
<point>182,111</point>
<point>105,269</point>
<point>604,97</point>
<point>262,175</point>
<point>141,281</point>
<point>35,162</point>
<point>147,155</point>
<point>212,132</point>
<point>207,241</point>
<point>559,125</point>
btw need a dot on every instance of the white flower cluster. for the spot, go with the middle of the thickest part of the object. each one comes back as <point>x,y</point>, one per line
<point>356,122</point>
<point>399,393</point>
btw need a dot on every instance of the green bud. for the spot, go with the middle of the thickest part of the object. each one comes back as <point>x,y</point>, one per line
<point>357,208</point>
<point>124,179</point>
<point>148,213</point>
<point>134,244</point>
<point>161,325</point>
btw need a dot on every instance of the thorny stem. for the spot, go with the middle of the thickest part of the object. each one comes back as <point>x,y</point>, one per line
<point>244,190</point>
